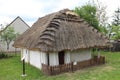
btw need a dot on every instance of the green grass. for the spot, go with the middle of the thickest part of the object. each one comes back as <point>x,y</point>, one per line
<point>11,69</point>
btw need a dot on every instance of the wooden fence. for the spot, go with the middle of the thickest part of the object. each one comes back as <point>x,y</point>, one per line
<point>70,67</point>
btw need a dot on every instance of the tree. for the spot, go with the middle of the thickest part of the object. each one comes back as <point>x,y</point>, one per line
<point>115,26</point>
<point>8,35</point>
<point>115,32</point>
<point>101,13</point>
<point>104,30</point>
<point>88,13</point>
<point>100,18</point>
<point>116,18</point>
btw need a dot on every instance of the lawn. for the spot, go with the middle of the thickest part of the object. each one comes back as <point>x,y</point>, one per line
<point>11,69</point>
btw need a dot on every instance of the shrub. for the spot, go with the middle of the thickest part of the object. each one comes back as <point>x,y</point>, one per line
<point>3,55</point>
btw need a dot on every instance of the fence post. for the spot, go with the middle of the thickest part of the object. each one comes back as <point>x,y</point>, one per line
<point>60,69</point>
<point>72,66</point>
<point>103,60</point>
<point>50,70</point>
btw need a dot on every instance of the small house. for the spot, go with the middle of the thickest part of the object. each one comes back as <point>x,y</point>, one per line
<point>19,27</point>
<point>58,41</point>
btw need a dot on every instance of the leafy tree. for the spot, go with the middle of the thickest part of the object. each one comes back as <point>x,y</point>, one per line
<point>115,27</point>
<point>95,12</point>
<point>116,18</point>
<point>8,35</point>
<point>115,32</point>
<point>109,31</point>
<point>104,30</point>
<point>88,13</point>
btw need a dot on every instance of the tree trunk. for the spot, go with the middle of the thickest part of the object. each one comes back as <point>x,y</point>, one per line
<point>8,46</point>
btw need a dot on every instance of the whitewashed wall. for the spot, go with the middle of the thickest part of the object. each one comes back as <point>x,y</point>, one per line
<point>80,55</point>
<point>37,58</point>
<point>25,53</point>
<point>53,59</point>
<point>67,57</point>
<point>70,56</point>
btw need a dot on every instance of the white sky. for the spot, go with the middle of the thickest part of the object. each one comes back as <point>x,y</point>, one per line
<point>31,10</point>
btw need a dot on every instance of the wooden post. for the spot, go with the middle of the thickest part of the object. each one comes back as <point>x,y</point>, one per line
<point>23,60</point>
<point>72,66</point>
<point>23,66</point>
<point>98,53</point>
<point>103,60</point>
<point>15,52</point>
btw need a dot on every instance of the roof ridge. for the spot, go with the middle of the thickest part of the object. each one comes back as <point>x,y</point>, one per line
<point>18,17</point>
<point>68,15</point>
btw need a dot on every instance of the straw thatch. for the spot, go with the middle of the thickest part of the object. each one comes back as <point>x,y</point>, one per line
<point>63,30</point>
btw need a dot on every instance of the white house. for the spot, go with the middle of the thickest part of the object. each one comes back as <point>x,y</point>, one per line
<point>36,58</point>
<point>59,38</point>
<point>19,26</point>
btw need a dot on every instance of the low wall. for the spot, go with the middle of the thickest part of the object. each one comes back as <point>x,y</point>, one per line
<point>70,67</point>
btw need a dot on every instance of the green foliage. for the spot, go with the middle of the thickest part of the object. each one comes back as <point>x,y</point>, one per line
<point>8,35</point>
<point>116,18</point>
<point>3,55</point>
<point>88,13</point>
<point>103,29</point>
<point>114,29</point>
<point>115,32</point>
<point>95,14</point>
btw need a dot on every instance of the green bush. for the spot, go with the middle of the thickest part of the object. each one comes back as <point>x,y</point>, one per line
<point>3,55</point>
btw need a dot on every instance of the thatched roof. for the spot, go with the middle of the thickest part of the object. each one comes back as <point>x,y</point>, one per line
<point>63,30</point>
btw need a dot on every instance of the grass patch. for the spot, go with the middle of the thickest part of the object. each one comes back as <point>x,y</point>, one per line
<point>11,69</point>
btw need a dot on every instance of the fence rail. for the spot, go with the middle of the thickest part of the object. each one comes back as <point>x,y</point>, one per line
<point>70,67</point>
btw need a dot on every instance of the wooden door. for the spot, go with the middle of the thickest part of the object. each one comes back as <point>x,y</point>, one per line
<point>61,57</point>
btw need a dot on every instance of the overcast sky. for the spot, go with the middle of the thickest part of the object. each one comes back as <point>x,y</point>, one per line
<point>31,10</point>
